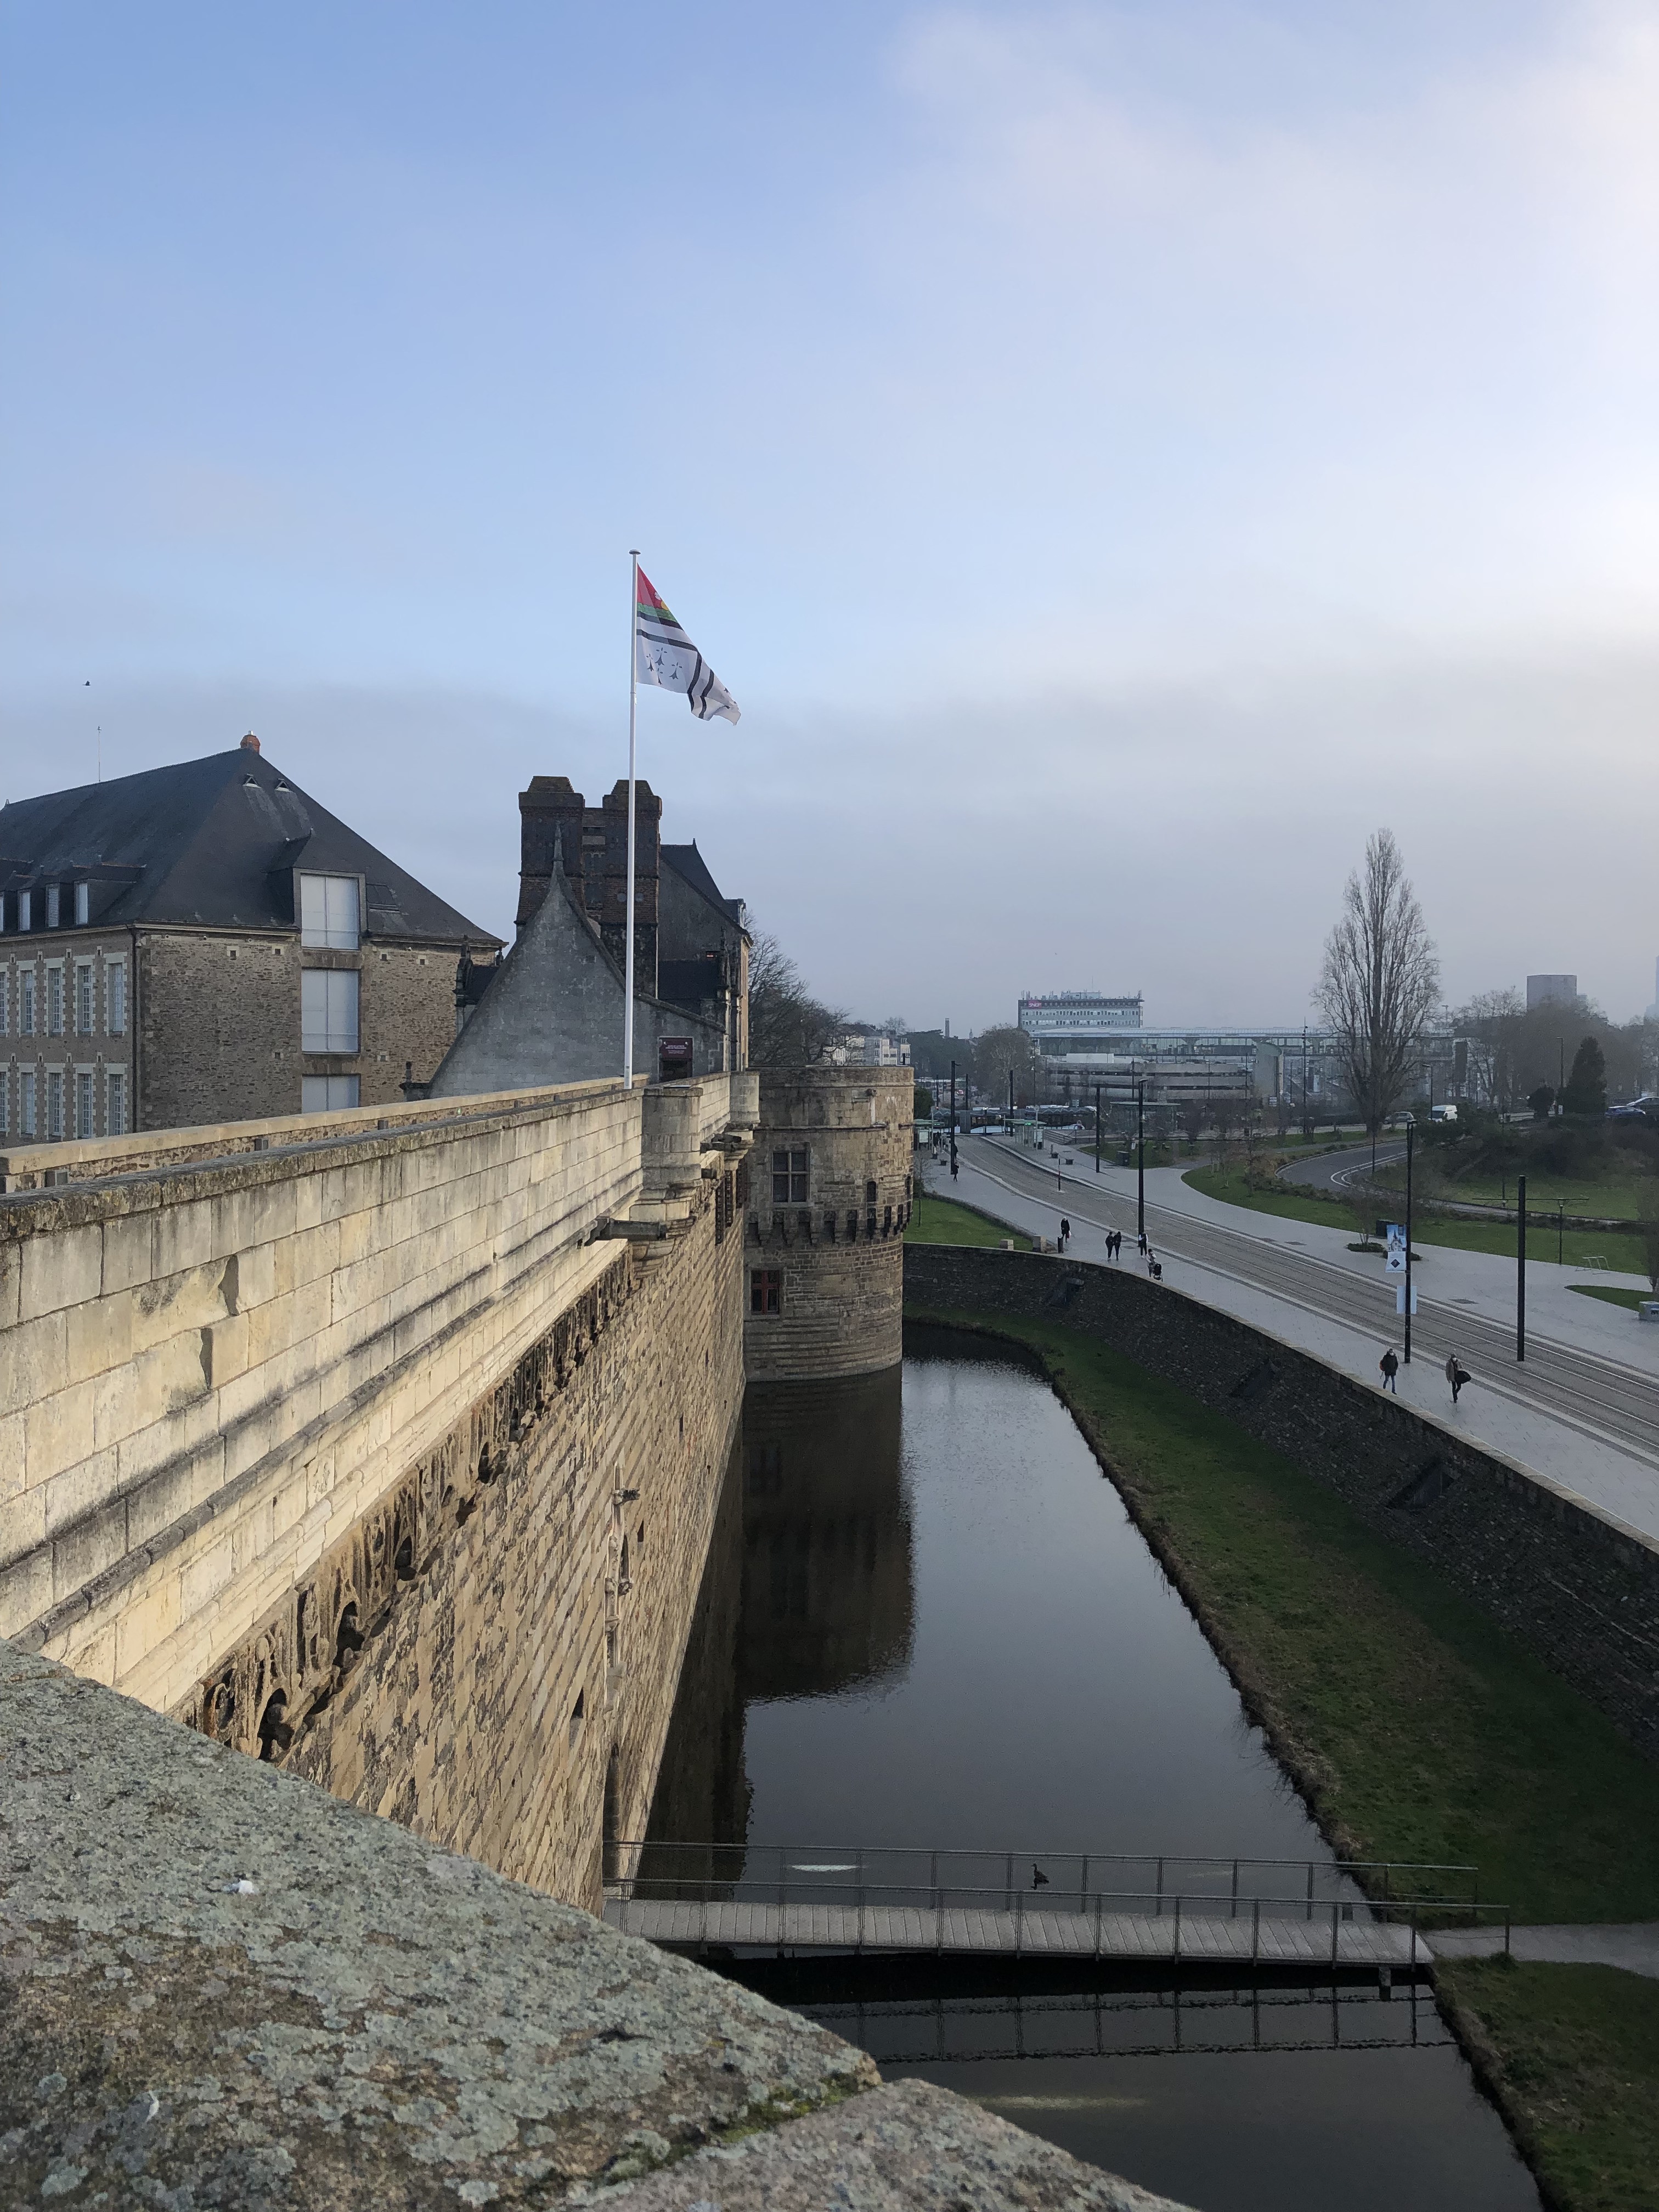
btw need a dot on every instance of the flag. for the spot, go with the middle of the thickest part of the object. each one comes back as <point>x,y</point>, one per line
<point>665,655</point>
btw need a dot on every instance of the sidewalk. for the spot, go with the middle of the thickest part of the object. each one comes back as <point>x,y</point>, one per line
<point>1618,1482</point>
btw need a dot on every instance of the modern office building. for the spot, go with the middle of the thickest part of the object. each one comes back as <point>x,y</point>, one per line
<point>206,943</point>
<point>1542,990</point>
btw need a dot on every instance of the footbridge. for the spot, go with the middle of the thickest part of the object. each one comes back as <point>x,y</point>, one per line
<point>1064,1907</point>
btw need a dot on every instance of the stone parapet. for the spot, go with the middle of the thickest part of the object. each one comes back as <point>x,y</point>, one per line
<point>1579,1587</point>
<point>229,1990</point>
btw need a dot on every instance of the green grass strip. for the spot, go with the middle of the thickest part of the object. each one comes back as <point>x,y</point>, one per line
<point>1610,1294</point>
<point>1418,1729</point>
<point>1572,2053</point>
<point>944,1221</point>
<point>1299,1203</point>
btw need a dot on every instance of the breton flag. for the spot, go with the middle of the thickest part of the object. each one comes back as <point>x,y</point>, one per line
<point>665,655</point>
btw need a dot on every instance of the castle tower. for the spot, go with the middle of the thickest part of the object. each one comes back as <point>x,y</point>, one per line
<point>829,1189</point>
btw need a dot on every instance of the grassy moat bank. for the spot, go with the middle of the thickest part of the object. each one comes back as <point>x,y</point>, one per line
<point>1416,1729</point>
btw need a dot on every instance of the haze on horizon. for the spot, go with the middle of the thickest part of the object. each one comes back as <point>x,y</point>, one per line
<point>1117,456</point>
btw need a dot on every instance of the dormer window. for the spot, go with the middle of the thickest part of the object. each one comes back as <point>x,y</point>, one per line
<point>329,912</point>
<point>82,905</point>
<point>51,906</point>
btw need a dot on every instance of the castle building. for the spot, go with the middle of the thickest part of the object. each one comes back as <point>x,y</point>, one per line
<point>204,943</point>
<point>551,1011</point>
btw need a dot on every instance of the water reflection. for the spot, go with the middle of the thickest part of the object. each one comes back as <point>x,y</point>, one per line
<point>928,1620</point>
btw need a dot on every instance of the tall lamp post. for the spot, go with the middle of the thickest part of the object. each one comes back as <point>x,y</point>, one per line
<point>953,1121</point>
<point>1097,1129</point>
<point>1140,1155</point>
<point>1411,1131</point>
<point>1521,1267</point>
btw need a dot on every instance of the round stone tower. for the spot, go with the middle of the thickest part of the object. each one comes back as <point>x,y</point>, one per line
<point>830,1184</point>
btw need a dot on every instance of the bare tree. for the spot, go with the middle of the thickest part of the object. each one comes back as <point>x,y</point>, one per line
<point>997,1055</point>
<point>1381,981</point>
<point>787,1026</point>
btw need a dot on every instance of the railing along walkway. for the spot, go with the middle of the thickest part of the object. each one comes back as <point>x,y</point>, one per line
<point>1225,1911</point>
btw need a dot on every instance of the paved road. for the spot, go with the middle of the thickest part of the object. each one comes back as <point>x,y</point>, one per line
<point>1602,1396</point>
<point>1333,1172</point>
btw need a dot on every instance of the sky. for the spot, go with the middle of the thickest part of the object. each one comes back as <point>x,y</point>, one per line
<point>1118,456</point>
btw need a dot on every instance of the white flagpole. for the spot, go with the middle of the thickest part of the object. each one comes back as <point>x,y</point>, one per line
<point>633,707</point>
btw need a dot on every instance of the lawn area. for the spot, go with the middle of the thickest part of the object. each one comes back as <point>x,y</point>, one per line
<point>1611,1294</point>
<point>1573,2052</point>
<point>1615,1195</point>
<point>942,1221</point>
<point>1419,1730</point>
<point>1293,1202</point>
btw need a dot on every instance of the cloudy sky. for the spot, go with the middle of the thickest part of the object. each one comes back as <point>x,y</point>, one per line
<point>1117,455</point>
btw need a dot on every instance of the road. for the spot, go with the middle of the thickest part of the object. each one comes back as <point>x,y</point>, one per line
<point>1334,1173</point>
<point>1603,1398</point>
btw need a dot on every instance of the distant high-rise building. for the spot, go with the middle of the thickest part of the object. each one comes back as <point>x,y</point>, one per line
<point>1540,989</point>
<point>1653,1011</point>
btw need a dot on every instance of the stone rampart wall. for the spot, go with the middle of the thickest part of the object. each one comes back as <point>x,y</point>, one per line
<point>1578,1587</point>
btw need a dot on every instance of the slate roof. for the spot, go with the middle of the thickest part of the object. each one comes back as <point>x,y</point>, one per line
<point>688,863</point>
<point>212,842</point>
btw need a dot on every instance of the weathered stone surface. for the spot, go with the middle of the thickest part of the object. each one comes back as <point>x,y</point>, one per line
<point>1575,1586</point>
<point>216,1976</point>
<point>911,2147</point>
<point>221,1989</point>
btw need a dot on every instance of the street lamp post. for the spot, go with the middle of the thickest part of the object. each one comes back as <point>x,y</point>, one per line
<point>1140,1172</point>
<point>1521,1268</point>
<point>953,1121</point>
<point>1411,1131</point>
<point>1097,1129</point>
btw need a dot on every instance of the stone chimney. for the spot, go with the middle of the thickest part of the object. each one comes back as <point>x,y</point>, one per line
<point>249,743</point>
<point>551,815</point>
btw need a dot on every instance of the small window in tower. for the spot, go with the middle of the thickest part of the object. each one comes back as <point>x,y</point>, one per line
<point>790,1175</point>
<point>766,1290</point>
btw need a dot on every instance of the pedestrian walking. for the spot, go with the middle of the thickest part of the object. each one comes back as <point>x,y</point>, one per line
<point>1389,1363</point>
<point>1065,1232</point>
<point>953,1167</point>
<point>1457,1375</point>
<point>1142,1240</point>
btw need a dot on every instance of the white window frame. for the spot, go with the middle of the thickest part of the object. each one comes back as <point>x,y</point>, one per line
<point>5,1100</point>
<point>54,998</point>
<point>331,1010</point>
<point>115,1102</point>
<point>54,1117</point>
<point>27,1097</point>
<point>86,1094</point>
<point>330,1094</point>
<point>53,905</point>
<point>115,997</point>
<point>82,905</point>
<point>5,1002</point>
<point>330,911</point>
<point>86,998</point>
<point>26,910</point>
<point>28,1001</point>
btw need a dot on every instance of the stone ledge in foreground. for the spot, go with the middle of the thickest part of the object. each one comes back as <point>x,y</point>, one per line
<point>220,1987</point>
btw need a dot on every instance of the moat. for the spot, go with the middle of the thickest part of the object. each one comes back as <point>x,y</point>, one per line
<point>927,1619</point>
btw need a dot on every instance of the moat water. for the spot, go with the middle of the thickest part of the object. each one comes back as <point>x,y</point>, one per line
<point>928,1620</point>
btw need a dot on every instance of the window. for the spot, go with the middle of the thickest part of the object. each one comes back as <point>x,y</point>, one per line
<point>115,997</point>
<point>327,1094</point>
<point>5,1002</point>
<point>83,998</point>
<point>116,1123</point>
<point>766,1290</point>
<point>83,904</point>
<point>5,1104</point>
<point>51,906</point>
<point>789,1177</point>
<point>54,1002</point>
<point>328,912</point>
<point>54,1105</point>
<point>26,1003</point>
<point>26,1099</point>
<point>328,1010</point>
<point>85,1124</point>
<point>25,909</point>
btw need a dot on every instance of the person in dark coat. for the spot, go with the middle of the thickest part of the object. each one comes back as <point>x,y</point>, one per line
<point>1389,1363</point>
<point>1457,1375</point>
<point>1065,1232</point>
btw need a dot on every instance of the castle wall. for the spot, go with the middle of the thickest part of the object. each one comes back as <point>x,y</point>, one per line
<point>823,1243</point>
<point>336,1418</point>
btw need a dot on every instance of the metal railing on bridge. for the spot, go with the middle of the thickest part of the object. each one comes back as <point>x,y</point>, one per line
<point>1074,1904</point>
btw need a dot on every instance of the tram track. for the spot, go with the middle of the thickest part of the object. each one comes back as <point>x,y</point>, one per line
<point>1612,1403</point>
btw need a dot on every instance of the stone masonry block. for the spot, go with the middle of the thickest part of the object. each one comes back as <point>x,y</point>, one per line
<point>34,1361</point>
<point>64,1269</point>
<point>99,1335</point>
<point>256,1276</point>
<point>88,1549</point>
<point>57,1432</point>
<point>203,1577</point>
<point>185,1302</point>
<point>263,1214</point>
<point>11,1284</point>
<point>129,1252</point>
<point>78,1490</point>
<point>184,1238</point>
<point>162,1497</point>
<point>25,1589</point>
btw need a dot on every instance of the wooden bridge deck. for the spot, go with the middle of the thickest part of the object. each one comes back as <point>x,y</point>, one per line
<point>1272,1940</point>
